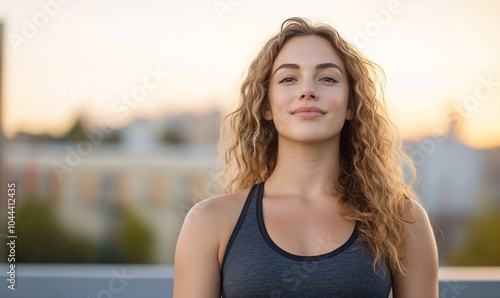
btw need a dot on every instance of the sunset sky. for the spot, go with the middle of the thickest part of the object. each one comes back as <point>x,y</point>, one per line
<point>72,57</point>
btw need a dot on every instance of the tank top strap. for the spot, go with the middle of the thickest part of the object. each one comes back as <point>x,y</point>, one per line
<point>248,216</point>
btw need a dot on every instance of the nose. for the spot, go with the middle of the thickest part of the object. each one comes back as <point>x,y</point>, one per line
<point>308,92</point>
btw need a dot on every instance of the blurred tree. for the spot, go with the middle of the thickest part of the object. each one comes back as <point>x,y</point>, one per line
<point>482,243</point>
<point>112,137</point>
<point>75,133</point>
<point>135,239</point>
<point>78,132</point>
<point>42,239</point>
<point>172,137</point>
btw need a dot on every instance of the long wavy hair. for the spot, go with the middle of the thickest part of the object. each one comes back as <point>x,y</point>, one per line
<point>371,184</point>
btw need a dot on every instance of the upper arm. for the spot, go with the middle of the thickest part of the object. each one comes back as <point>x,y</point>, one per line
<point>196,266</point>
<point>421,278</point>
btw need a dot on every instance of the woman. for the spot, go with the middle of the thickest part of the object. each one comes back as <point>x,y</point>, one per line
<point>316,204</point>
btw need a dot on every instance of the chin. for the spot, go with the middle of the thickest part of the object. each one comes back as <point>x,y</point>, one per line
<point>310,137</point>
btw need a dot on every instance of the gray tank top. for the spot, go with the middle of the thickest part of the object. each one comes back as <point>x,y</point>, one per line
<point>254,266</point>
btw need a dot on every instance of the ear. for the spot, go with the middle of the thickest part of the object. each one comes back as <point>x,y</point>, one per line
<point>348,115</point>
<point>268,115</point>
<point>266,112</point>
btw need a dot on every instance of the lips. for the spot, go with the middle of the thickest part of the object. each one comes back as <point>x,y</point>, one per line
<point>308,110</point>
<point>308,113</point>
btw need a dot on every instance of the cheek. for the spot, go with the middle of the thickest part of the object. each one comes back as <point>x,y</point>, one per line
<point>280,100</point>
<point>342,95</point>
<point>337,98</point>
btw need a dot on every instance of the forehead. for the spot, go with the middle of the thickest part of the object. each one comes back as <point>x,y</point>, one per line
<point>306,51</point>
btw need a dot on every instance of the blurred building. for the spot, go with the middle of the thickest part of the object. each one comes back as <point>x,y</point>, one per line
<point>87,182</point>
<point>455,183</point>
<point>194,129</point>
<point>492,179</point>
<point>451,175</point>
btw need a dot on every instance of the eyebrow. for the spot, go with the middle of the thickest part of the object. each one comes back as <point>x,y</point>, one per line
<point>318,66</point>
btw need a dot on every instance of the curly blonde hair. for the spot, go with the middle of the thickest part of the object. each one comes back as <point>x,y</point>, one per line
<point>371,184</point>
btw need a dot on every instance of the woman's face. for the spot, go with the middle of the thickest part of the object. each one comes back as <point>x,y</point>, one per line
<point>308,93</point>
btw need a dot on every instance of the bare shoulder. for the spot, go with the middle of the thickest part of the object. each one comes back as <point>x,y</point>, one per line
<point>211,221</point>
<point>421,262</point>
<point>214,219</point>
<point>218,211</point>
<point>420,240</point>
<point>421,227</point>
<point>202,240</point>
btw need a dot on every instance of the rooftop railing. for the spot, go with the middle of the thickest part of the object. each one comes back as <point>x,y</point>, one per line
<point>152,281</point>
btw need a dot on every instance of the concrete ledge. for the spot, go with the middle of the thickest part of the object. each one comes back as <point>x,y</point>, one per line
<point>138,281</point>
<point>88,281</point>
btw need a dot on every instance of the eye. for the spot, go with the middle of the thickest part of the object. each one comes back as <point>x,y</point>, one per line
<point>286,80</point>
<point>329,80</point>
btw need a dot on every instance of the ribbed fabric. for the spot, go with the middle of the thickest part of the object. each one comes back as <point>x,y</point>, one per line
<point>254,266</point>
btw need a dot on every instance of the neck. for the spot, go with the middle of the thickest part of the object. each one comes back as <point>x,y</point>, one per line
<point>307,170</point>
